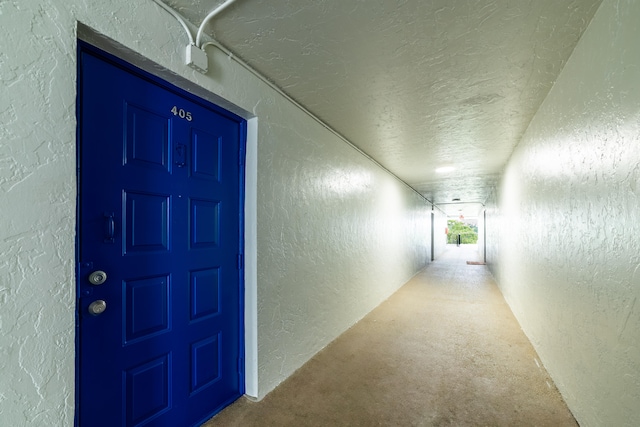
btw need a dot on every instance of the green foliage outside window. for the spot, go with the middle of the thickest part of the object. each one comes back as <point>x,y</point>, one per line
<point>468,233</point>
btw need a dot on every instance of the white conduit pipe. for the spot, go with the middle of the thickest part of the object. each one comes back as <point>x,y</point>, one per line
<point>178,17</point>
<point>208,18</point>
<point>272,85</point>
<point>248,67</point>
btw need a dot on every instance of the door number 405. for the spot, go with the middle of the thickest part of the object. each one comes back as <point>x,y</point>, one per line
<point>181,113</point>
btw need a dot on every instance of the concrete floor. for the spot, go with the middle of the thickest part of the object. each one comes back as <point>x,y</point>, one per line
<point>445,350</point>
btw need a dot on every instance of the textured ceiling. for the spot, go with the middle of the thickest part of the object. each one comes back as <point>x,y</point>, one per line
<point>415,84</point>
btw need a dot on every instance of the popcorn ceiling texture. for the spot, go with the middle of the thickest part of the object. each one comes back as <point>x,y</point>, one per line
<point>415,84</point>
<point>563,226</point>
<point>336,235</point>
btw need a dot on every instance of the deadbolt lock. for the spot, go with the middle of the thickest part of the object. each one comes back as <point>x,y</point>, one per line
<point>97,307</point>
<point>98,277</point>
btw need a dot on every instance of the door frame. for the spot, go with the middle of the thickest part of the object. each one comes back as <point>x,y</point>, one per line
<point>90,40</point>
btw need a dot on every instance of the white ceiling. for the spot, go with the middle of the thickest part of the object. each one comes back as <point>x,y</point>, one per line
<point>416,84</point>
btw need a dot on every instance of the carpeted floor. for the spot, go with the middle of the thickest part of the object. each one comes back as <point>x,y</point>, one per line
<point>445,350</point>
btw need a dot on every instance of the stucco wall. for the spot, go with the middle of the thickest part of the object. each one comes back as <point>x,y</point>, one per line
<point>335,233</point>
<point>564,232</point>
<point>439,235</point>
<point>481,234</point>
<point>336,242</point>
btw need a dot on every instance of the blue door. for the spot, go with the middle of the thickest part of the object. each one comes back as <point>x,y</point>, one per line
<point>159,279</point>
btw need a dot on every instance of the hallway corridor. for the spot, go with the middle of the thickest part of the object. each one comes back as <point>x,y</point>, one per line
<point>443,350</point>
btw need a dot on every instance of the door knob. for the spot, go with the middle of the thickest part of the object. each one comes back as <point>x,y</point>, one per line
<point>98,277</point>
<point>97,307</point>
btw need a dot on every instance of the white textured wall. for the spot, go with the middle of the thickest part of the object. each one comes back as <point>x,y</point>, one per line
<point>337,237</point>
<point>564,234</point>
<point>336,234</point>
<point>481,234</point>
<point>439,235</point>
